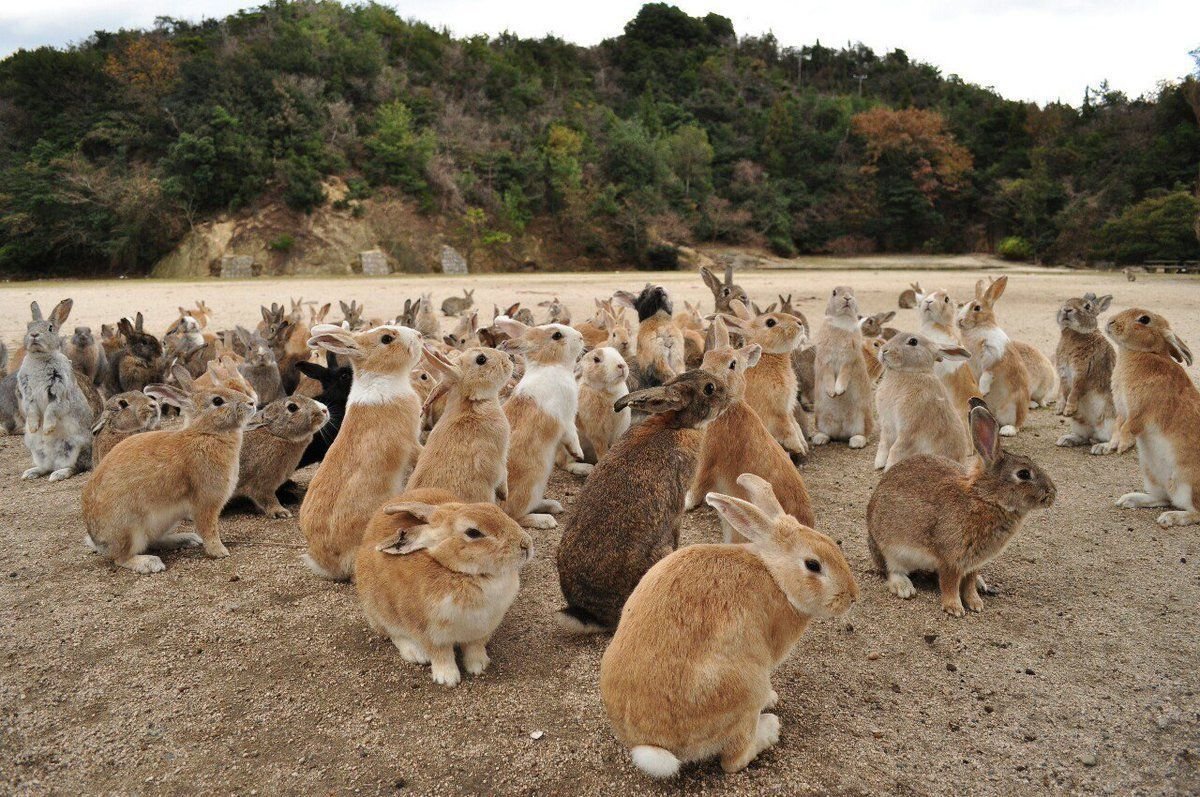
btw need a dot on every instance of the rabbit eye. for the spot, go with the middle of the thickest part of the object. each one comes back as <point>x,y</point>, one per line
<point>724,291</point>
<point>481,360</point>
<point>386,339</point>
<point>217,401</point>
<point>912,341</point>
<point>595,359</point>
<point>771,322</point>
<point>709,389</point>
<point>474,534</point>
<point>292,408</point>
<point>1024,475</point>
<point>733,365</point>
<point>557,336</point>
<point>812,565</point>
<point>978,308</point>
<point>1144,319</point>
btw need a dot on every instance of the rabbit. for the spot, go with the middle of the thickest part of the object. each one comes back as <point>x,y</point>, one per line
<point>336,382</point>
<point>317,315</point>
<point>737,442</point>
<point>1043,377</point>
<point>465,333</point>
<point>433,573</point>
<point>87,356</point>
<point>557,312</point>
<point>152,481</point>
<point>1158,409</point>
<point>467,451</point>
<point>541,414</point>
<point>458,305</point>
<point>139,362</point>
<point>1085,366</point>
<point>427,320</point>
<point>691,324</point>
<point>911,296</point>
<point>201,312</point>
<point>873,326</point>
<point>601,375</point>
<point>11,417</point>
<point>688,672</point>
<point>804,365</point>
<point>375,449</point>
<point>916,413</point>
<point>124,415</point>
<point>273,318</point>
<point>936,312</point>
<point>112,341</point>
<point>1003,378</point>
<point>771,387</point>
<point>260,369</point>
<point>352,315</point>
<point>271,452</point>
<point>595,329</point>
<point>184,334</point>
<point>629,511</point>
<point>659,352</point>
<point>724,293</point>
<point>224,372</point>
<point>934,514</point>
<point>58,418</point>
<point>842,399</point>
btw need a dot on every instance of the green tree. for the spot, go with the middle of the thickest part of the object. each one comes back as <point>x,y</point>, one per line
<point>399,153</point>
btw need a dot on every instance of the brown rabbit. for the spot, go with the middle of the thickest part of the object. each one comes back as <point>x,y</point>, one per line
<point>271,452</point>
<point>629,511</point>
<point>933,514</point>
<point>936,312</point>
<point>375,449</point>
<point>688,673</point>
<point>467,451</point>
<point>601,375</point>
<point>139,363</point>
<point>911,296</point>
<point>87,355</point>
<point>433,573</point>
<point>1003,378</point>
<point>1158,409</point>
<point>843,385</point>
<point>148,484</point>
<point>124,415</point>
<point>1085,365</point>
<point>724,294</point>
<point>737,442</point>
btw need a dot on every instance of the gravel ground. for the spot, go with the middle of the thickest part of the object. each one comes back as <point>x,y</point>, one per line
<point>249,675</point>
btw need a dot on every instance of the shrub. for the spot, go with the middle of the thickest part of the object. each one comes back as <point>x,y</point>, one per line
<point>1159,228</point>
<point>283,243</point>
<point>662,257</point>
<point>1015,247</point>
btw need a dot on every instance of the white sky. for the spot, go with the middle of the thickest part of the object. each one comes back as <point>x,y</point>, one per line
<point>1026,49</point>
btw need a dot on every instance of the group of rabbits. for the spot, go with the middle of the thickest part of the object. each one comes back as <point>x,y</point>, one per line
<point>436,448</point>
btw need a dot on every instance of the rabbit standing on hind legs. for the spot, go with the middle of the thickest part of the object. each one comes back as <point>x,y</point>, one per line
<point>843,387</point>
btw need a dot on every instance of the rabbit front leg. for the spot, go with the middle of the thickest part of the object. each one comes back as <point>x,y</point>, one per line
<point>475,656</point>
<point>444,667</point>
<point>570,439</point>
<point>970,591</point>
<point>887,439</point>
<point>950,582</point>
<point>843,377</point>
<point>206,526</point>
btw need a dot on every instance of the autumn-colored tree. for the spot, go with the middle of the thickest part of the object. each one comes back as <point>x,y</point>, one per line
<point>939,163</point>
<point>147,66</point>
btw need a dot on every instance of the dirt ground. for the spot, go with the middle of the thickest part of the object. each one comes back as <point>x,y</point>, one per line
<point>249,675</point>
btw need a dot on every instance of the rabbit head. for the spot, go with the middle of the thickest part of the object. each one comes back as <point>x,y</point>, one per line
<point>1002,478</point>
<point>83,338</point>
<point>981,312</point>
<point>937,308</point>
<point>336,380</point>
<point>550,344</point>
<point>293,418</point>
<point>777,333</point>
<point>602,368</point>
<point>652,300</point>
<point>465,332</point>
<point>692,399</point>
<point>730,364</point>
<point>141,343</point>
<point>872,325</point>
<point>479,373</point>
<point>382,350</point>
<point>724,292</point>
<point>352,314</point>
<point>804,563</point>
<point>259,353</point>
<point>216,408</point>
<point>1079,315</point>
<point>42,334</point>
<point>842,305</point>
<point>910,352</point>
<point>1136,329</point>
<point>474,539</point>
<point>129,412</point>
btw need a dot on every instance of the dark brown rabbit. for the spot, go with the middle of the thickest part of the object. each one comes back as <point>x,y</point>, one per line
<point>139,363</point>
<point>724,292</point>
<point>629,510</point>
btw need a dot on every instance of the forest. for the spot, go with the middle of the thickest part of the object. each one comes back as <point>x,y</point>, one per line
<point>677,132</point>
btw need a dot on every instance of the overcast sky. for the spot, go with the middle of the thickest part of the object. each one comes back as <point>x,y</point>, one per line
<point>1026,49</point>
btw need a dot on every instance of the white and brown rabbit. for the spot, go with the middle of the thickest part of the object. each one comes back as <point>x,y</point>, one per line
<point>842,400</point>
<point>541,414</point>
<point>933,514</point>
<point>467,451</point>
<point>271,452</point>
<point>630,509</point>
<point>1085,366</point>
<point>659,352</point>
<point>911,296</point>
<point>152,481</point>
<point>916,413</point>
<point>1158,409</point>
<point>124,415</point>
<point>375,449</point>
<point>999,367</point>
<point>58,416</point>
<point>602,375</point>
<point>688,673</point>
<point>936,312</point>
<point>434,574</point>
<point>737,442</point>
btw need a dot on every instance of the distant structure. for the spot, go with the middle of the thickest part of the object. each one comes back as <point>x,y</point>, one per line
<point>237,267</point>
<point>374,263</point>
<point>452,261</point>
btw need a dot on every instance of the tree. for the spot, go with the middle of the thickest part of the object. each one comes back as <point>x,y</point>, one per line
<point>690,156</point>
<point>399,153</point>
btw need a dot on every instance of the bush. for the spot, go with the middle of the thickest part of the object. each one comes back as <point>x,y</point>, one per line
<point>1015,247</point>
<point>662,257</point>
<point>1160,228</point>
<point>283,243</point>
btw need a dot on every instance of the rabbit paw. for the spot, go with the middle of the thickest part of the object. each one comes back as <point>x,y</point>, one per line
<point>1008,430</point>
<point>1178,518</point>
<point>61,474</point>
<point>550,506</point>
<point>144,564</point>
<point>819,439</point>
<point>475,659</point>
<point>1140,501</point>
<point>768,730</point>
<point>281,513</point>
<point>539,521</point>
<point>580,468</point>
<point>33,473</point>
<point>446,674</point>
<point>954,609</point>
<point>772,700</point>
<point>183,539</point>
<point>410,651</point>
<point>901,586</point>
<point>858,441</point>
<point>1070,440</point>
<point>1100,449</point>
<point>216,549</point>
<point>974,602</point>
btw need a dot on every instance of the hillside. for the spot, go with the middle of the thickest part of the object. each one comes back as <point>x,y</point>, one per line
<point>317,129</point>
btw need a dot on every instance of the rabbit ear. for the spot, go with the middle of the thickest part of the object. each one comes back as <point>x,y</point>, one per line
<point>729,275</point>
<point>751,353</point>
<point>138,325</point>
<point>439,363</point>
<point>667,398</point>
<point>883,318</point>
<point>168,394</point>
<point>710,280</point>
<point>63,309</point>
<point>719,333</point>
<point>953,353</point>
<point>746,518</point>
<point>408,540</point>
<point>740,310</point>
<point>335,339</point>
<point>625,299</point>
<point>761,494</point>
<point>36,311</point>
<point>1178,349</point>
<point>312,370</point>
<point>99,424</point>
<point>985,433</point>
<point>511,327</point>
<point>996,289</point>
<point>183,378</point>
<point>1101,303</point>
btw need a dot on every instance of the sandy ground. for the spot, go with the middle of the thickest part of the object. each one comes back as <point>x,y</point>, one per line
<point>249,675</point>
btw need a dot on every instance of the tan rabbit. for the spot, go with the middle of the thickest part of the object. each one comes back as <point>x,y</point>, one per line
<point>124,415</point>
<point>87,356</point>
<point>601,375</point>
<point>541,414</point>
<point>771,389</point>
<point>595,329</point>
<point>842,399</point>
<point>433,574</point>
<point>916,414</point>
<point>465,333</point>
<point>149,483</point>
<point>467,451</point>
<point>933,514</point>
<point>1085,365</point>
<point>737,442</point>
<point>1158,409</point>
<point>724,294</point>
<point>659,352</point>
<point>224,372</point>
<point>911,296</point>
<point>271,452</point>
<point>688,673</point>
<point>1003,378</point>
<point>376,447</point>
<point>936,311</point>
<point>427,320</point>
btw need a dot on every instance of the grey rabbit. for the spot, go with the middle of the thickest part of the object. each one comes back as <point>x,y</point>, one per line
<point>260,368</point>
<point>457,305</point>
<point>11,418</point>
<point>88,356</point>
<point>58,418</point>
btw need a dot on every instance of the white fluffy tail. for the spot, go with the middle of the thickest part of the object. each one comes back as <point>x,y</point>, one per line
<point>323,573</point>
<point>655,761</point>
